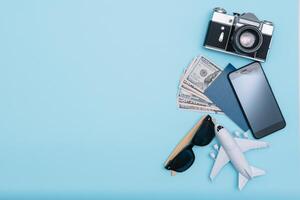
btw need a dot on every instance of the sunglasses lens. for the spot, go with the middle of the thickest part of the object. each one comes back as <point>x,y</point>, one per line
<point>206,133</point>
<point>182,161</point>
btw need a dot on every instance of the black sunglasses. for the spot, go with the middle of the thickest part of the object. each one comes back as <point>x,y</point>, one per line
<point>185,158</point>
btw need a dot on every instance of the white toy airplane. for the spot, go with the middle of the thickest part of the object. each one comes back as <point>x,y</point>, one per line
<point>232,149</point>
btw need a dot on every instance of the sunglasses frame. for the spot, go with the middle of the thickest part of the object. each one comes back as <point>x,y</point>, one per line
<point>185,142</point>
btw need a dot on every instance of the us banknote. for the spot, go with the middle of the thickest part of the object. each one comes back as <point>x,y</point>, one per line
<point>199,74</point>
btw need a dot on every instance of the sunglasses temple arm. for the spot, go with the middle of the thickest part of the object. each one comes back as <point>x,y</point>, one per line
<point>185,141</point>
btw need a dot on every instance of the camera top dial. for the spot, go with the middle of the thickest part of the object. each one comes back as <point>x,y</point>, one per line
<point>267,22</point>
<point>220,10</point>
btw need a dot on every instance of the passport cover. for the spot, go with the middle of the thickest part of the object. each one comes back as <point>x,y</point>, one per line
<point>222,94</point>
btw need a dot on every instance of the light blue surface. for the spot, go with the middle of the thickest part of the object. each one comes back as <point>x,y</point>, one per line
<point>88,100</point>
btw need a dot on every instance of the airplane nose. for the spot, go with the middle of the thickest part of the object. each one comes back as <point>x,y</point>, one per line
<point>219,127</point>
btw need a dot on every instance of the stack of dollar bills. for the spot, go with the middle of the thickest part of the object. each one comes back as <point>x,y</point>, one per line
<point>196,78</point>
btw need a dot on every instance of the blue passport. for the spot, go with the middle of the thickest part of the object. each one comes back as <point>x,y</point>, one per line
<point>222,94</point>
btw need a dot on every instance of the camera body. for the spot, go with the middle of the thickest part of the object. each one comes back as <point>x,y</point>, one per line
<point>239,34</point>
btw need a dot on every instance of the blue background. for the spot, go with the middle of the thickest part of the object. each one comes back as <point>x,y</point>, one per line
<point>88,100</point>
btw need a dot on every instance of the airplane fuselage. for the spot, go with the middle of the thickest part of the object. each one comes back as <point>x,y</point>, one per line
<point>235,153</point>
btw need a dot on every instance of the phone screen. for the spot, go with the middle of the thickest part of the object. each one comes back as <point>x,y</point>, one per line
<point>257,100</point>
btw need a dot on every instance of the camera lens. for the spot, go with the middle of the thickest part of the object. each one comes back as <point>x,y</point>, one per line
<point>247,39</point>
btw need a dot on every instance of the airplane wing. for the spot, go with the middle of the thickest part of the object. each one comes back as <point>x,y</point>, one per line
<point>221,160</point>
<point>247,145</point>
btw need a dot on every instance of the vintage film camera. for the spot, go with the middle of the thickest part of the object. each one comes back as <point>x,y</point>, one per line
<point>239,34</point>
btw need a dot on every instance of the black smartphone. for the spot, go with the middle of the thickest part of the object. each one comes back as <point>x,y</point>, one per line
<point>257,100</point>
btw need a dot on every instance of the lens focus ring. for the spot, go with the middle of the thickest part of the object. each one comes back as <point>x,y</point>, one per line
<point>247,39</point>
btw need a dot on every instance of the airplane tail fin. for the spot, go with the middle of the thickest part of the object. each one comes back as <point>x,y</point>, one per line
<point>242,181</point>
<point>255,172</point>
